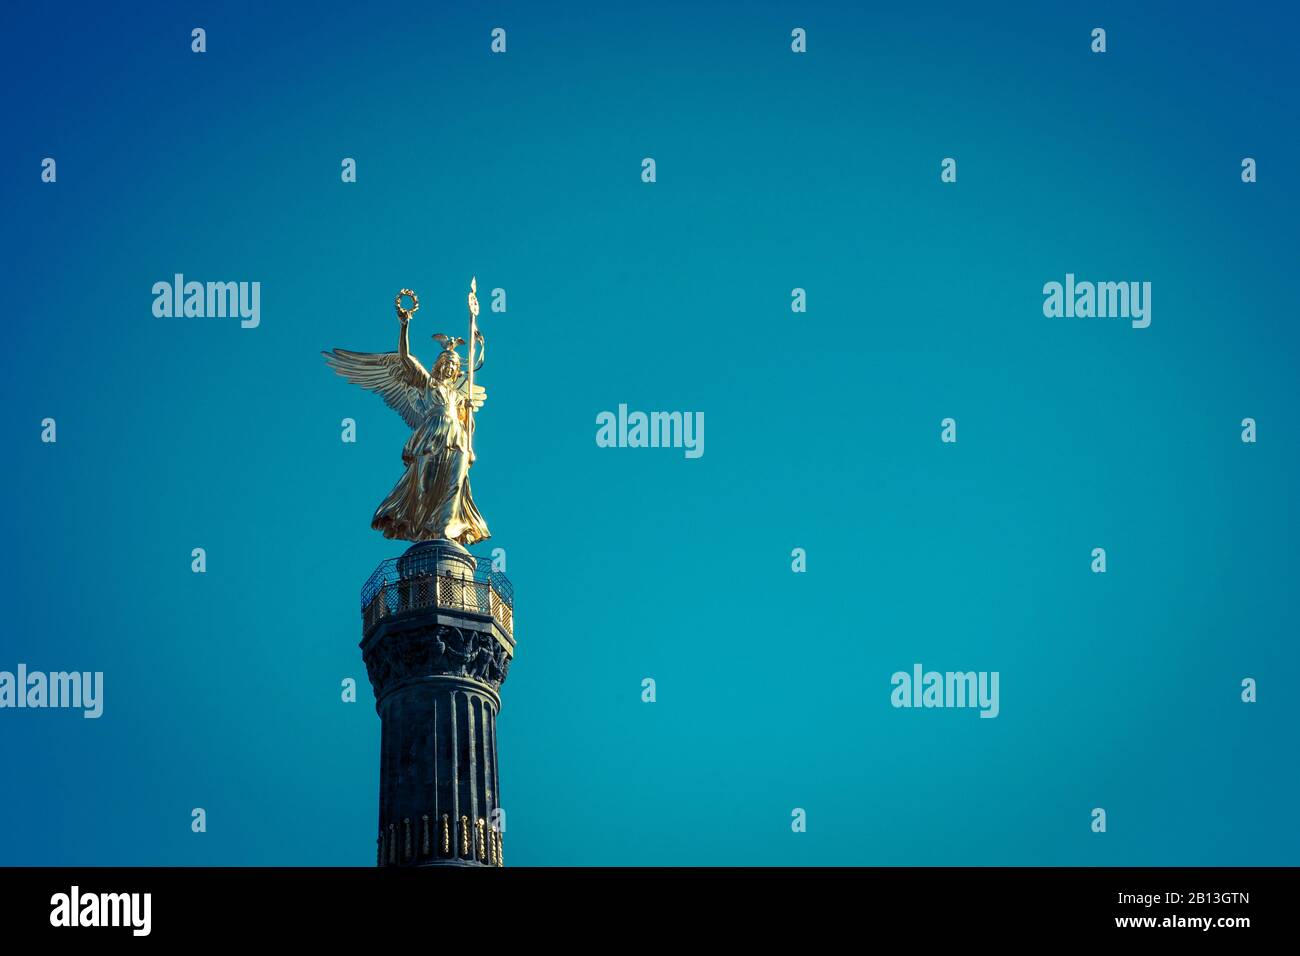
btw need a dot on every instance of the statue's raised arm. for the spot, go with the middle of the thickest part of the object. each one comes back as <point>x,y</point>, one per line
<point>397,377</point>
<point>416,372</point>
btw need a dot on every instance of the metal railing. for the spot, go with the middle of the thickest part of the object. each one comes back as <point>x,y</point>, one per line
<point>416,581</point>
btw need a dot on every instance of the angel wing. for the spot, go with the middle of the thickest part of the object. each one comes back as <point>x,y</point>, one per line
<point>480,393</point>
<point>382,373</point>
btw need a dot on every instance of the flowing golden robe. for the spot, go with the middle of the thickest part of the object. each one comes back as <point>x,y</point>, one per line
<point>432,498</point>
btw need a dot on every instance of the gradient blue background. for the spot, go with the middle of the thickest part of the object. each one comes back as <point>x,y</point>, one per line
<point>822,430</point>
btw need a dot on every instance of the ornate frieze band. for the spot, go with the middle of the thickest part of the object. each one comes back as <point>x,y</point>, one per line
<point>436,651</point>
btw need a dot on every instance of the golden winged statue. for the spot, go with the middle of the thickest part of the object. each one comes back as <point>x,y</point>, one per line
<point>432,499</point>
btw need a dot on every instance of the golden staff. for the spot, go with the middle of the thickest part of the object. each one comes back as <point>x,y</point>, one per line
<point>472,301</point>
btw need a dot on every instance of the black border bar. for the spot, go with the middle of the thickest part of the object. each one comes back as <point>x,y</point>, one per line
<point>334,904</point>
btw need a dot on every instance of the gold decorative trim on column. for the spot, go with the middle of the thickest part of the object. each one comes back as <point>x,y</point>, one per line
<point>445,837</point>
<point>464,837</point>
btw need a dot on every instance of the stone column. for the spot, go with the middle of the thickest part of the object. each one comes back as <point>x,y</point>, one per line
<point>436,661</point>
